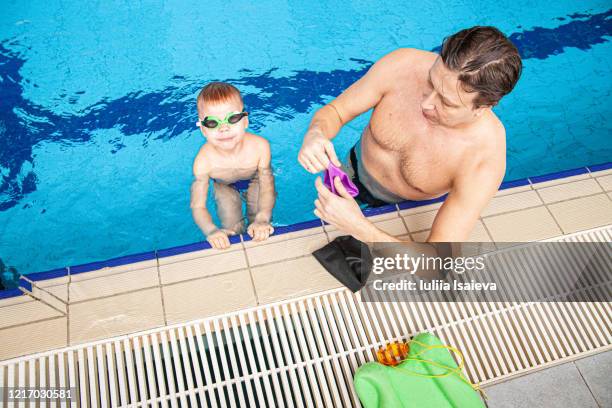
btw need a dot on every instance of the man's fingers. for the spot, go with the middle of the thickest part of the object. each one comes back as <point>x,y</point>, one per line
<point>305,163</point>
<point>341,189</point>
<point>331,153</point>
<point>324,193</point>
<point>310,166</point>
<point>320,214</point>
<point>319,206</point>
<point>320,160</point>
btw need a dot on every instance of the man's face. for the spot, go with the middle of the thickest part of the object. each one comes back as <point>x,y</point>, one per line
<point>227,135</point>
<point>445,102</point>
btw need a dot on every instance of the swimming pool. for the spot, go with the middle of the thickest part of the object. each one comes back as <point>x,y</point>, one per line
<point>97,104</point>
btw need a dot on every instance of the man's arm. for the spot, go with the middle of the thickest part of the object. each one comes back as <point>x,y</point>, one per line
<point>317,149</point>
<point>469,195</point>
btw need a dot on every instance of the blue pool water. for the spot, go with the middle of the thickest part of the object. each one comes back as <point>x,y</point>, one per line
<point>97,103</point>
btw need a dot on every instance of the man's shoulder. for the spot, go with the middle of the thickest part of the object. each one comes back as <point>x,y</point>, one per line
<point>409,56</point>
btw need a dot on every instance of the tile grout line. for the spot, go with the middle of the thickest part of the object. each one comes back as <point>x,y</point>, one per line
<point>12,326</point>
<point>68,307</point>
<point>586,383</point>
<point>488,232</point>
<point>161,291</point>
<point>549,211</point>
<point>600,186</point>
<point>246,258</point>
<point>405,223</point>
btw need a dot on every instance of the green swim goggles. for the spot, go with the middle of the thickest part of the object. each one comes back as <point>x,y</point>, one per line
<point>213,122</point>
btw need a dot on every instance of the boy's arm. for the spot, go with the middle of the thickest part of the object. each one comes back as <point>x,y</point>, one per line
<point>201,216</point>
<point>267,193</point>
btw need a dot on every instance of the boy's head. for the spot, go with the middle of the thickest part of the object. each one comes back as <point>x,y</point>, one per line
<point>220,114</point>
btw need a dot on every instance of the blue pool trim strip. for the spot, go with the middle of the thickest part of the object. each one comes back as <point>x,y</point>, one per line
<point>52,274</point>
<point>600,167</point>
<point>514,183</point>
<point>109,263</point>
<point>199,246</point>
<point>558,175</point>
<point>385,209</point>
<point>10,293</point>
<point>412,204</point>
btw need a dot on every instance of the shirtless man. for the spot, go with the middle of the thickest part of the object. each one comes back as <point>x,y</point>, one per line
<point>432,132</point>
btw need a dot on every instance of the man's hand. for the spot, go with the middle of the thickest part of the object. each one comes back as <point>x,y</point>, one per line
<point>316,152</point>
<point>219,239</point>
<point>260,230</point>
<point>341,211</point>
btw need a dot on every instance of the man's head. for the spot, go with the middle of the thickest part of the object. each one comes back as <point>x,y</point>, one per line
<point>476,68</point>
<point>220,115</point>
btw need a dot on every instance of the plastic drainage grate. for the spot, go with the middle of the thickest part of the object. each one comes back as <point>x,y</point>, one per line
<point>304,352</point>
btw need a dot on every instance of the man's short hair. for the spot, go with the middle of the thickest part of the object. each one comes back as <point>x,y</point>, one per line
<point>216,92</point>
<point>486,60</point>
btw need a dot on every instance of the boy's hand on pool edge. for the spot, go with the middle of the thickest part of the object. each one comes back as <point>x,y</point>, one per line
<point>260,230</point>
<point>219,239</point>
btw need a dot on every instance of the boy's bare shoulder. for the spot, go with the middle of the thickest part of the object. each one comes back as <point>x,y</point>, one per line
<point>201,162</point>
<point>257,142</point>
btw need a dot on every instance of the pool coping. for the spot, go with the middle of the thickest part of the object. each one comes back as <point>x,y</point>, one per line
<point>25,281</point>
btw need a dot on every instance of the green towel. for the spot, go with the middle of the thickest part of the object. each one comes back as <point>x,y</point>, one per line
<point>382,386</point>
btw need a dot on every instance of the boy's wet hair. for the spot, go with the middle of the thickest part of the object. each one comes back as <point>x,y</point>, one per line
<point>216,92</point>
<point>486,60</point>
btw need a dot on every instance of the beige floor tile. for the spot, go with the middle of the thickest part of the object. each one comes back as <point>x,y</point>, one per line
<point>33,338</point>
<point>112,281</point>
<point>56,286</point>
<point>25,309</point>
<point>291,248</point>
<point>152,263</point>
<point>567,191</point>
<point>290,279</point>
<point>522,226</point>
<point>478,234</point>
<point>15,300</point>
<point>390,223</point>
<point>421,209</point>
<point>420,236</point>
<point>606,182</point>
<point>47,295</point>
<point>394,226</point>
<point>583,213</point>
<point>115,315</point>
<point>208,296</point>
<point>420,221</point>
<point>512,202</point>
<point>561,180</point>
<point>200,264</point>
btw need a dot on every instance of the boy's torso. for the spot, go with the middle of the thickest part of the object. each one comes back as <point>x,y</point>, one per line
<point>228,169</point>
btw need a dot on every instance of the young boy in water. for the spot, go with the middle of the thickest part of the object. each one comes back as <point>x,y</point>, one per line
<point>238,164</point>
